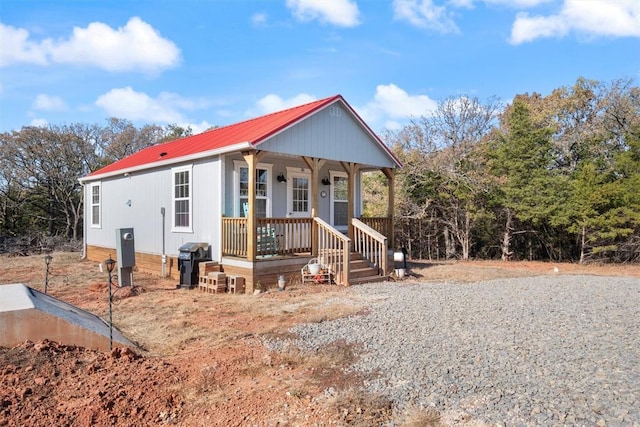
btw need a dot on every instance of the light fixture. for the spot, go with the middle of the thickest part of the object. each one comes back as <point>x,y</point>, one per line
<point>47,261</point>
<point>325,181</point>
<point>110,263</point>
<point>281,178</point>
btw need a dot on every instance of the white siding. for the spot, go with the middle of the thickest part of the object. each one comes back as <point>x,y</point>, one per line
<point>330,136</point>
<point>148,191</point>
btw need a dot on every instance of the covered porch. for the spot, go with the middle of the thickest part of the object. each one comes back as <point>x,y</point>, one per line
<point>261,248</point>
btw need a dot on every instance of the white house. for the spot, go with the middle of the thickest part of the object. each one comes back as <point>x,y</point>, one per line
<point>304,164</point>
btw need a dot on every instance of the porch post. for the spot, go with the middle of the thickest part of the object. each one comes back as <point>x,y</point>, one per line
<point>314,165</point>
<point>390,174</point>
<point>351,169</point>
<point>251,158</point>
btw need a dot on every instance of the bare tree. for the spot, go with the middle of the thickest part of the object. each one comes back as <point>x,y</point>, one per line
<point>445,170</point>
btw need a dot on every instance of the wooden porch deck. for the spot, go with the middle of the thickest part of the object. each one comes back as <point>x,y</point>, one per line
<point>284,245</point>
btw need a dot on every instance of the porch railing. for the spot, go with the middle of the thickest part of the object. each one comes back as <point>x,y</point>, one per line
<point>333,251</point>
<point>290,236</point>
<point>383,225</point>
<point>274,236</point>
<point>234,237</point>
<point>371,244</point>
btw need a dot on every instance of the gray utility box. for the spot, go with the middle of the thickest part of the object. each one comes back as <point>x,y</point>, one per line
<point>191,254</point>
<point>125,248</point>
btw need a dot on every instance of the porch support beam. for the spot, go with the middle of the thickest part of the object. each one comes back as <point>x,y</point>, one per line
<point>252,158</point>
<point>352,169</point>
<point>390,174</point>
<point>314,164</point>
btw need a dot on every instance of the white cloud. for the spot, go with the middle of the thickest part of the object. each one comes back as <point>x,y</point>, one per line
<point>272,103</point>
<point>128,104</point>
<point>425,14</point>
<point>196,127</point>
<point>518,3</point>
<point>259,19</point>
<point>343,13</point>
<point>39,123</point>
<point>16,47</point>
<point>468,4</point>
<point>527,28</point>
<point>135,47</point>
<point>44,102</point>
<point>393,105</point>
<point>514,4</point>
<point>613,18</point>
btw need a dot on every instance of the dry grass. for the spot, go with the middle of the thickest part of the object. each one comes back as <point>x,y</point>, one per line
<point>356,408</point>
<point>215,339</point>
<point>415,416</point>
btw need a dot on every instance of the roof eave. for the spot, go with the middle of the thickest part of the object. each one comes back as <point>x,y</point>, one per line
<point>218,151</point>
<point>373,134</point>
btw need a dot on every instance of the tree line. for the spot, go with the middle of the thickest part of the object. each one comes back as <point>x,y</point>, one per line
<point>40,166</point>
<point>552,177</point>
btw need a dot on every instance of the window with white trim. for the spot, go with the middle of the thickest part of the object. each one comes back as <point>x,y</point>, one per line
<point>96,205</point>
<point>263,189</point>
<point>182,198</point>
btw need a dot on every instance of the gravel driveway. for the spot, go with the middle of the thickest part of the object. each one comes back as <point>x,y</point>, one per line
<point>548,350</point>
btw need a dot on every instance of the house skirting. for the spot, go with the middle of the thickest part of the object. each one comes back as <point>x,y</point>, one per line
<point>147,263</point>
<point>264,271</point>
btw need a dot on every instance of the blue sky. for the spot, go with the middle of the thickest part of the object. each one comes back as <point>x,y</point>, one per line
<point>214,62</point>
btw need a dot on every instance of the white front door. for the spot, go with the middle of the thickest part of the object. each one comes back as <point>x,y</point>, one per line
<point>339,200</point>
<point>298,194</point>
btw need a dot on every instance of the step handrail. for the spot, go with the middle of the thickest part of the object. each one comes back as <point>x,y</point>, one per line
<point>333,251</point>
<point>371,245</point>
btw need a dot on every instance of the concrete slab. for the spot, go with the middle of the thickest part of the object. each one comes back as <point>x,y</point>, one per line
<point>28,314</point>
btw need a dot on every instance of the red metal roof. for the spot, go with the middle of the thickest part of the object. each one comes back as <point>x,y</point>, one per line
<point>251,131</point>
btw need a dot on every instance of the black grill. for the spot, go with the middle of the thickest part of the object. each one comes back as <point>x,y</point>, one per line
<point>191,254</point>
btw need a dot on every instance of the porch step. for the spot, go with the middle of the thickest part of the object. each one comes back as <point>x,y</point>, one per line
<point>361,272</point>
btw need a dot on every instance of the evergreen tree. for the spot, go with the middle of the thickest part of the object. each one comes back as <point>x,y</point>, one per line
<point>521,159</point>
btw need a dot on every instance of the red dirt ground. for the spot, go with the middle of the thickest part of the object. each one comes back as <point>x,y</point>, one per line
<point>202,361</point>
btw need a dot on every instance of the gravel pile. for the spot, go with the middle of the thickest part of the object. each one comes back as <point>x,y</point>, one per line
<point>528,351</point>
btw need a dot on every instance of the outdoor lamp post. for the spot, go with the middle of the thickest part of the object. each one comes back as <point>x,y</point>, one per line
<point>47,261</point>
<point>110,264</point>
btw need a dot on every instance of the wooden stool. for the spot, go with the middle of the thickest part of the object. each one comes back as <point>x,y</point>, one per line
<point>216,282</point>
<point>235,283</point>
